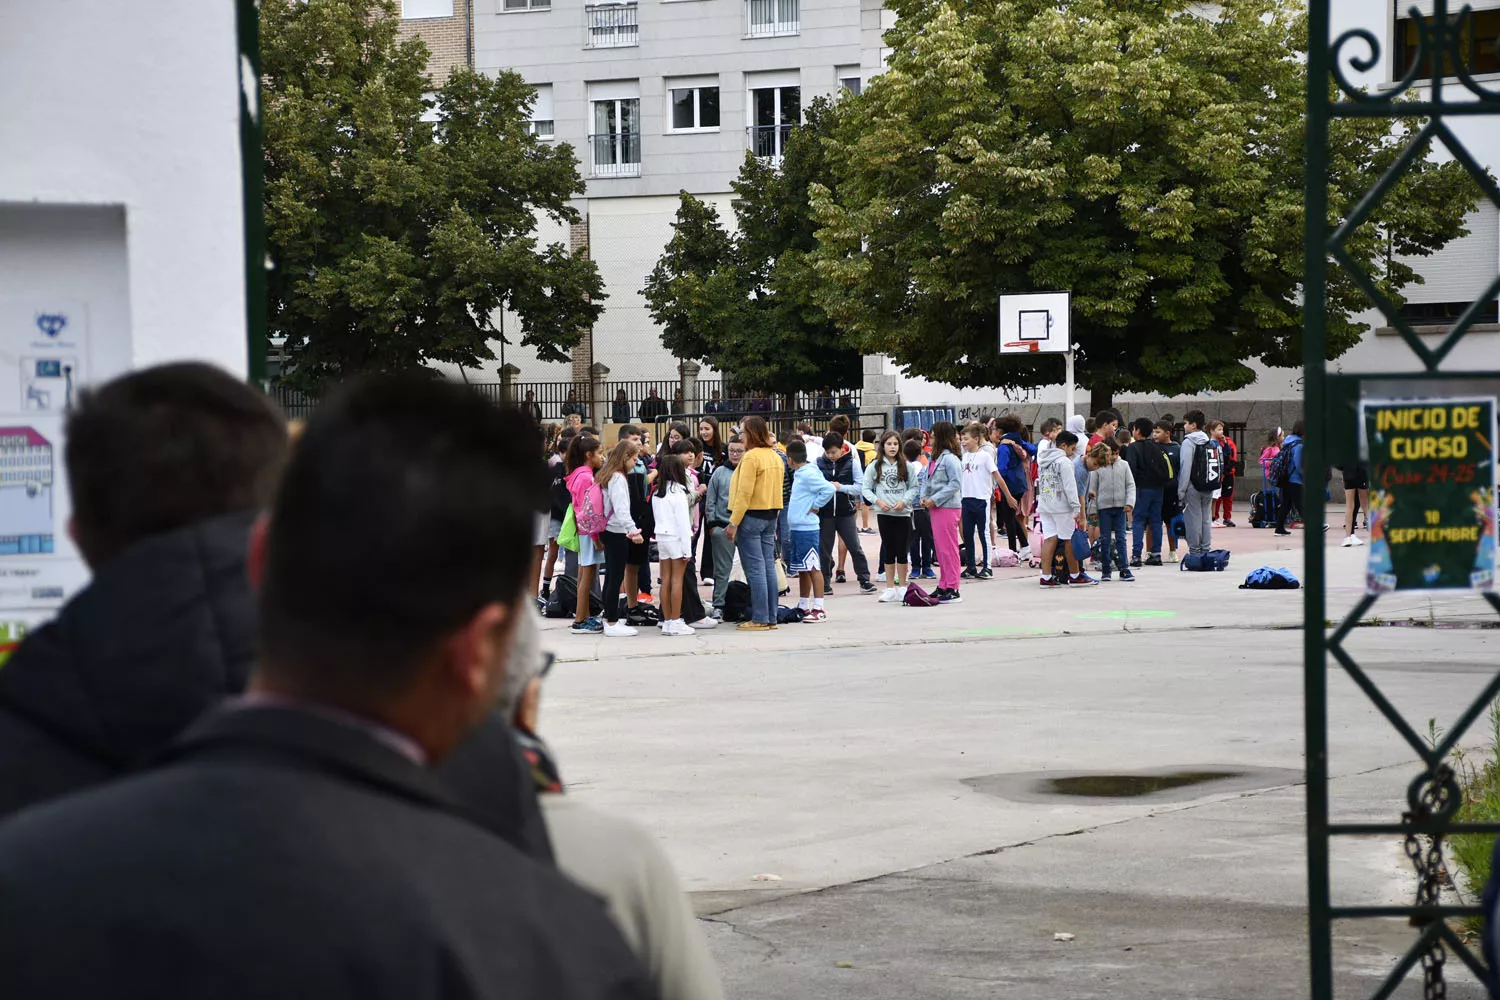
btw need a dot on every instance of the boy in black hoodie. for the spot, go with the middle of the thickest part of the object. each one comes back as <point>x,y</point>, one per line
<point>837,466</point>
<point>638,568</point>
<point>1149,466</point>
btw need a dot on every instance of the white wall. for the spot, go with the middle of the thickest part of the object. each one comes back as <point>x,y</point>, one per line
<point>137,105</point>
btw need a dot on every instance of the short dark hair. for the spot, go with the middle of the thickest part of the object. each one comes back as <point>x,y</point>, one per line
<point>833,439</point>
<point>868,434</point>
<point>589,429</point>
<point>839,425</point>
<point>1090,425</point>
<point>1166,425</point>
<point>1050,423</point>
<point>797,452</point>
<point>626,430</point>
<point>912,449</point>
<point>1299,427</point>
<point>160,449</point>
<point>405,508</point>
<point>1065,438</point>
<point>1010,423</point>
<point>1142,425</point>
<point>913,434</point>
<point>1194,417</point>
<point>1107,414</point>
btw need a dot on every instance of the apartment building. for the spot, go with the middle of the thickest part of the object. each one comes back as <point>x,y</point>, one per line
<point>447,28</point>
<point>658,97</point>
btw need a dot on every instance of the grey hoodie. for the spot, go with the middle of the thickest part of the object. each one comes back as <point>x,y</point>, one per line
<point>1113,485</point>
<point>1190,445</point>
<point>1057,487</point>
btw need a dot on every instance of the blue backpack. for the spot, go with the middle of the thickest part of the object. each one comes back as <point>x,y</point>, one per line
<point>1212,561</point>
<point>1267,578</point>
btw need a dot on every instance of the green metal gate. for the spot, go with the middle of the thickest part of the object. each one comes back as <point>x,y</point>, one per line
<point>1332,404</point>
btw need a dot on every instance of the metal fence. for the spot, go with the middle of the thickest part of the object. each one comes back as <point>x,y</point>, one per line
<point>781,422</point>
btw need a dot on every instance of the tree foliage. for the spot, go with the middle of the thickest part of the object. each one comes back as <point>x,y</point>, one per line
<point>1145,158</point>
<point>743,302</point>
<point>394,240</point>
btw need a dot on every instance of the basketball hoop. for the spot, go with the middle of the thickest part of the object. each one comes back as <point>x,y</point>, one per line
<point>1029,346</point>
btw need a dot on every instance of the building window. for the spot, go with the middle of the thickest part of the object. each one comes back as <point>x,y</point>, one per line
<point>695,108</point>
<point>769,18</point>
<point>1478,44</point>
<point>512,5</point>
<point>1447,313</point>
<point>616,140</point>
<point>849,79</point>
<point>774,112</point>
<point>413,9</point>
<point>612,25</point>
<point>541,123</point>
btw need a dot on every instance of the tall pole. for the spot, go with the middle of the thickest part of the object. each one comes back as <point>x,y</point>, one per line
<point>1314,351</point>
<point>252,162</point>
<point>1068,380</point>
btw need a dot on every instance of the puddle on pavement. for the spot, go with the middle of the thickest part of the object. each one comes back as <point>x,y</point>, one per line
<point>1181,783</point>
<point>1131,786</point>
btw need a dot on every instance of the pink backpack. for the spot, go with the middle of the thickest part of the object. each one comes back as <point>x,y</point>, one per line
<point>588,503</point>
<point>916,597</point>
<point>1004,559</point>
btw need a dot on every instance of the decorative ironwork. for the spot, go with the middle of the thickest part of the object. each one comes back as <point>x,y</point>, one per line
<point>1433,797</point>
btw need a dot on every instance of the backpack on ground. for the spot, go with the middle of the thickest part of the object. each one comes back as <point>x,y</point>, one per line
<point>563,601</point>
<point>1208,468</point>
<point>589,516</point>
<point>1035,562</point>
<point>1212,561</point>
<point>1263,508</point>
<point>916,597</point>
<point>1267,578</point>
<point>788,616</point>
<point>737,601</point>
<point>1005,559</point>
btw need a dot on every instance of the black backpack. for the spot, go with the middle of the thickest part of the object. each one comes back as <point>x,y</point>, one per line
<point>563,601</point>
<point>737,601</point>
<point>557,491</point>
<point>1208,468</point>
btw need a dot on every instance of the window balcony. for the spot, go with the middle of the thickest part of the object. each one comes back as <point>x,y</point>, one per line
<point>768,142</point>
<point>773,18</point>
<point>616,154</point>
<point>612,25</point>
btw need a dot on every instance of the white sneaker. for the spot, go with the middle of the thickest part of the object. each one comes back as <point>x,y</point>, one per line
<point>618,630</point>
<point>1354,540</point>
<point>1025,555</point>
<point>1171,556</point>
<point>890,596</point>
<point>708,621</point>
<point>880,576</point>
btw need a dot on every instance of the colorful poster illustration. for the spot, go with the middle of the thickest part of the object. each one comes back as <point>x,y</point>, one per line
<point>1432,494</point>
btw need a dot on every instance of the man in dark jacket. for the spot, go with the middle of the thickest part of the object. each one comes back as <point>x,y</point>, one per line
<point>1149,466</point>
<point>296,841</point>
<point>167,468</point>
<point>837,466</point>
<point>653,408</point>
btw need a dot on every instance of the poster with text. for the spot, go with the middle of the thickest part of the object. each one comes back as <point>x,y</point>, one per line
<point>44,358</point>
<point>1432,494</point>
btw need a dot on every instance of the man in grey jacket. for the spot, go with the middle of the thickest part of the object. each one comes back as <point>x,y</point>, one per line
<point>1197,505</point>
<point>716,510</point>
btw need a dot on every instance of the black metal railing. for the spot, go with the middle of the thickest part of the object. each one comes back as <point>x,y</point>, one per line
<point>769,141</point>
<point>613,25</point>
<point>782,422</point>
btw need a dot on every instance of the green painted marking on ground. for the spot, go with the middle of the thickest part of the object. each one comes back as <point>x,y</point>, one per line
<point>1125,615</point>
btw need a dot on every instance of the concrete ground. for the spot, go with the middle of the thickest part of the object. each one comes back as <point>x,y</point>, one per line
<point>852,805</point>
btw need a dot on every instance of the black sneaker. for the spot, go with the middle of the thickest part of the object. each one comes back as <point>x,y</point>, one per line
<point>986,574</point>
<point>839,578</point>
<point>867,587</point>
<point>546,589</point>
<point>1229,524</point>
<point>1154,560</point>
<point>1282,531</point>
<point>827,590</point>
<point>966,575</point>
<point>951,597</point>
<point>1135,563</point>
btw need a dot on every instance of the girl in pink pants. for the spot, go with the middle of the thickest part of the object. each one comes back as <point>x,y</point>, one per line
<point>941,495</point>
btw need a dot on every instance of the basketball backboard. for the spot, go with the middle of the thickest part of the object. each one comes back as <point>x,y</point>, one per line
<point>1034,324</point>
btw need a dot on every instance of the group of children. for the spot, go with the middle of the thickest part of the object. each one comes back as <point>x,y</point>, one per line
<point>938,498</point>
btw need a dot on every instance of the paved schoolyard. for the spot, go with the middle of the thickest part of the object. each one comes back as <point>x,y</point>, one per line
<point>870,765</point>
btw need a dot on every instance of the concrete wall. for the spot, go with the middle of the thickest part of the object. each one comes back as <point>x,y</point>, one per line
<point>137,106</point>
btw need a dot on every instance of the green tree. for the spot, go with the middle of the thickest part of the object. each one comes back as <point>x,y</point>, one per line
<point>743,302</point>
<point>1146,159</point>
<point>394,240</point>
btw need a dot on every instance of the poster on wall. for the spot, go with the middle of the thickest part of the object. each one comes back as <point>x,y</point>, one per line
<point>44,357</point>
<point>1432,494</point>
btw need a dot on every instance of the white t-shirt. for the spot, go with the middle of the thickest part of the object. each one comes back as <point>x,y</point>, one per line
<point>979,475</point>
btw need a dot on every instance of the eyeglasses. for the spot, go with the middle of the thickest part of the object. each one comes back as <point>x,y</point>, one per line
<point>547,660</point>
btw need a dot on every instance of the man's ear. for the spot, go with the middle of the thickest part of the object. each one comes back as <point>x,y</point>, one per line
<point>477,645</point>
<point>255,558</point>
